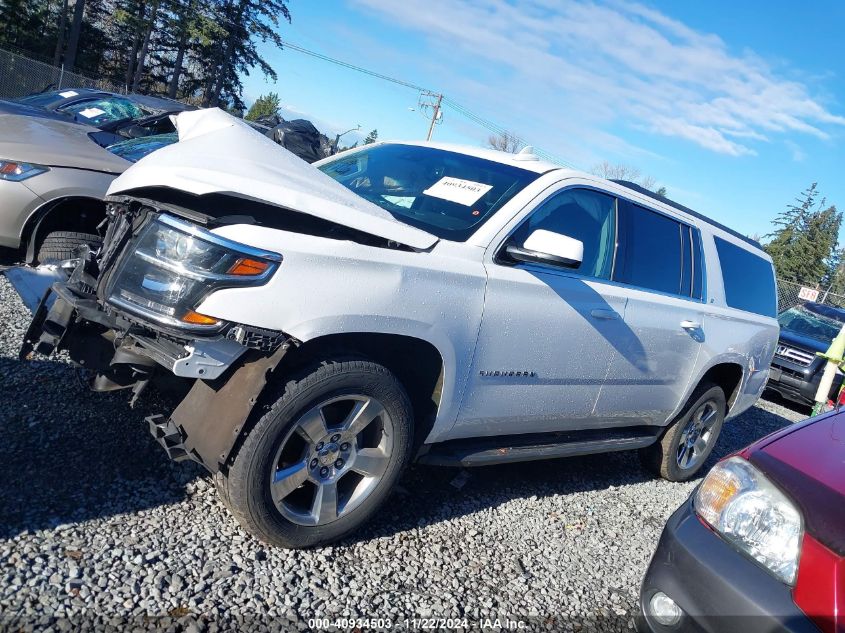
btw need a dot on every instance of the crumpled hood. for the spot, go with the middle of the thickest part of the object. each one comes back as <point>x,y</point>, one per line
<point>218,153</point>
<point>55,144</point>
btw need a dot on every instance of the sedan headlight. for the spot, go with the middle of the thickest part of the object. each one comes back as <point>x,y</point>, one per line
<point>17,171</point>
<point>742,505</point>
<point>174,265</point>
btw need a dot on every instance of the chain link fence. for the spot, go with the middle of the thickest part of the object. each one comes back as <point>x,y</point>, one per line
<point>21,76</point>
<point>791,293</point>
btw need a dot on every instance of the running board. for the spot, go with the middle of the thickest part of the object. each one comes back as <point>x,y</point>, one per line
<point>483,451</point>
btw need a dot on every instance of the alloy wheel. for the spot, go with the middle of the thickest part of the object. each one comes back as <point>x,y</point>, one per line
<point>332,459</point>
<point>696,436</point>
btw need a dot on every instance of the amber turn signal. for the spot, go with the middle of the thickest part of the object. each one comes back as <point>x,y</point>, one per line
<point>195,318</point>
<point>248,267</point>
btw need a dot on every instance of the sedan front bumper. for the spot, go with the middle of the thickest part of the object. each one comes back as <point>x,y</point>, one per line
<point>718,588</point>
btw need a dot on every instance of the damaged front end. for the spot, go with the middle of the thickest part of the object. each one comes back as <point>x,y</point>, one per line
<point>126,314</point>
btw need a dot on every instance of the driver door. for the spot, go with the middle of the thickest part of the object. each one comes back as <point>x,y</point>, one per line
<point>549,332</point>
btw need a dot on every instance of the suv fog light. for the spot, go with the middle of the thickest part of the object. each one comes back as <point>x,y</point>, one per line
<point>664,610</point>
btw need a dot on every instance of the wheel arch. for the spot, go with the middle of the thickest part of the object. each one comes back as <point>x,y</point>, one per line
<point>417,363</point>
<point>728,375</point>
<point>71,213</point>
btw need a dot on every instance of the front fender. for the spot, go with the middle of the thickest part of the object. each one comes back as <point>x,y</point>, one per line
<point>327,286</point>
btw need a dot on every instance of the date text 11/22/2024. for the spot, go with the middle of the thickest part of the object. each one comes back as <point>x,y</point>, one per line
<point>341,624</point>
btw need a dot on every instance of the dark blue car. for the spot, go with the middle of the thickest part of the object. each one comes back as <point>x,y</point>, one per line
<point>805,330</point>
<point>131,115</point>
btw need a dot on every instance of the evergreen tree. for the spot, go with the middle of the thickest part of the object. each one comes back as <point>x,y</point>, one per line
<point>194,50</point>
<point>265,105</point>
<point>834,277</point>
<point>804,242</point>
<point>372,137</point>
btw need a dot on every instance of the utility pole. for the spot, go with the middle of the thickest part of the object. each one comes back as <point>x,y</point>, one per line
<point>436,109</point>
<point>435,114</point>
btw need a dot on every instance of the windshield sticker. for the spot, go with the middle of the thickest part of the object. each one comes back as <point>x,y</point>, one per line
<point>465,192</point>
<point>67,94</point>
<point>90,113</point>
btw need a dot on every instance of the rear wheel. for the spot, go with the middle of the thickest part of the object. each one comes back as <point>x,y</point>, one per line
<point>61,245</point>
<point>688,441</point>
<point>325,456</point>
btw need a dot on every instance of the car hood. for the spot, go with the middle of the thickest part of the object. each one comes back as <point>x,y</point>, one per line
<point>802,341</point>
<point>55,144</point>
<point>218,153</point>
<point>807,461</point>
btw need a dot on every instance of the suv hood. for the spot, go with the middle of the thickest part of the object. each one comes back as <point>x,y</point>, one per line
<point>55,144</point>
<point>218,153</point>
<point>803,342</point>
<point>807,461</point>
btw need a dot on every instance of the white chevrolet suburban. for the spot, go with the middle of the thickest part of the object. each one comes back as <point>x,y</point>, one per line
<point>401,302</point>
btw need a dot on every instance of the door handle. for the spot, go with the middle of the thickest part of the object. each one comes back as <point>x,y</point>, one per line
<point>604,314</point>
<point>690,325</point>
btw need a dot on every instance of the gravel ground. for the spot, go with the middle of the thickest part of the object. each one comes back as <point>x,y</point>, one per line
<point>98,529</point>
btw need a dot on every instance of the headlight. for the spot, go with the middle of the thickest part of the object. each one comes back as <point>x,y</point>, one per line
<point>17,171</point>
<point>174,265</point>
<point>742,505</point>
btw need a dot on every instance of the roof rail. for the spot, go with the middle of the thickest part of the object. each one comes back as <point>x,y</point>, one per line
<point>646,192</point>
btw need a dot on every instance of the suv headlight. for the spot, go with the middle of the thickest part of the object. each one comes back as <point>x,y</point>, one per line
<point>174,265</point>
<point>742,505</point>
<point>17,171</point>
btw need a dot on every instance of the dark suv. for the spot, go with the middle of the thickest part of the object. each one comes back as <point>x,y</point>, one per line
<point>796,368</point>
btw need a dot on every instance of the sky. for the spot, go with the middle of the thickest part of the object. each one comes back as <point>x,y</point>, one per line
<point>734,107</point>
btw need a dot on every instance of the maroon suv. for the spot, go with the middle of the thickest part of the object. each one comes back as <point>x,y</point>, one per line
<point>760,544</point>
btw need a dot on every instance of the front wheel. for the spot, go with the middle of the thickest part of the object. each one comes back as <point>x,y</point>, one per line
<point>61,245</point>
<point>324,457</point>
<point>688,441</point>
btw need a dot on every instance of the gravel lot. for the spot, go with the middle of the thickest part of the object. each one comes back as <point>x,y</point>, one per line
<point>98,529</point>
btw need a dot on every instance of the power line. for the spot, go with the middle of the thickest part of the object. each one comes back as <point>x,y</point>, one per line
<point>360,69</point>
<point>463,111</point>
<point>497,129</point>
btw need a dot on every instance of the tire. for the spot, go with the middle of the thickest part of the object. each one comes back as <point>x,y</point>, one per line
<point>666,457</point>
<point>271,449</point>
<point>60,245</point>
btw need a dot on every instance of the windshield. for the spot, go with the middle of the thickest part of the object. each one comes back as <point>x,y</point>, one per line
<point>104,110</point>
<point>135,149</point>
<point>445,193</point>
<point>802,321</point>
<point>46,98</point>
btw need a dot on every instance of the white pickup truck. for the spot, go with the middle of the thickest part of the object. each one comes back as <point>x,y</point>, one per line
<point>403,302</point>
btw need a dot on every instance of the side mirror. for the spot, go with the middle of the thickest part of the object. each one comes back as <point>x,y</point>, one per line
<point>546,247</point>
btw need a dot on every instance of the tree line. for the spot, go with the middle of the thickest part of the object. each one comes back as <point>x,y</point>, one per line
<point>805,243</point>
<point>193,50</point>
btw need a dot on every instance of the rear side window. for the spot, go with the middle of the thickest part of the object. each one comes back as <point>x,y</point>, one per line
<point>749,279</point>
<point>652,251</point>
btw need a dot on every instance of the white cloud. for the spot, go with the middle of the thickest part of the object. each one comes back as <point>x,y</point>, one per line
<point>798,154</point>
<point>583,66</point>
